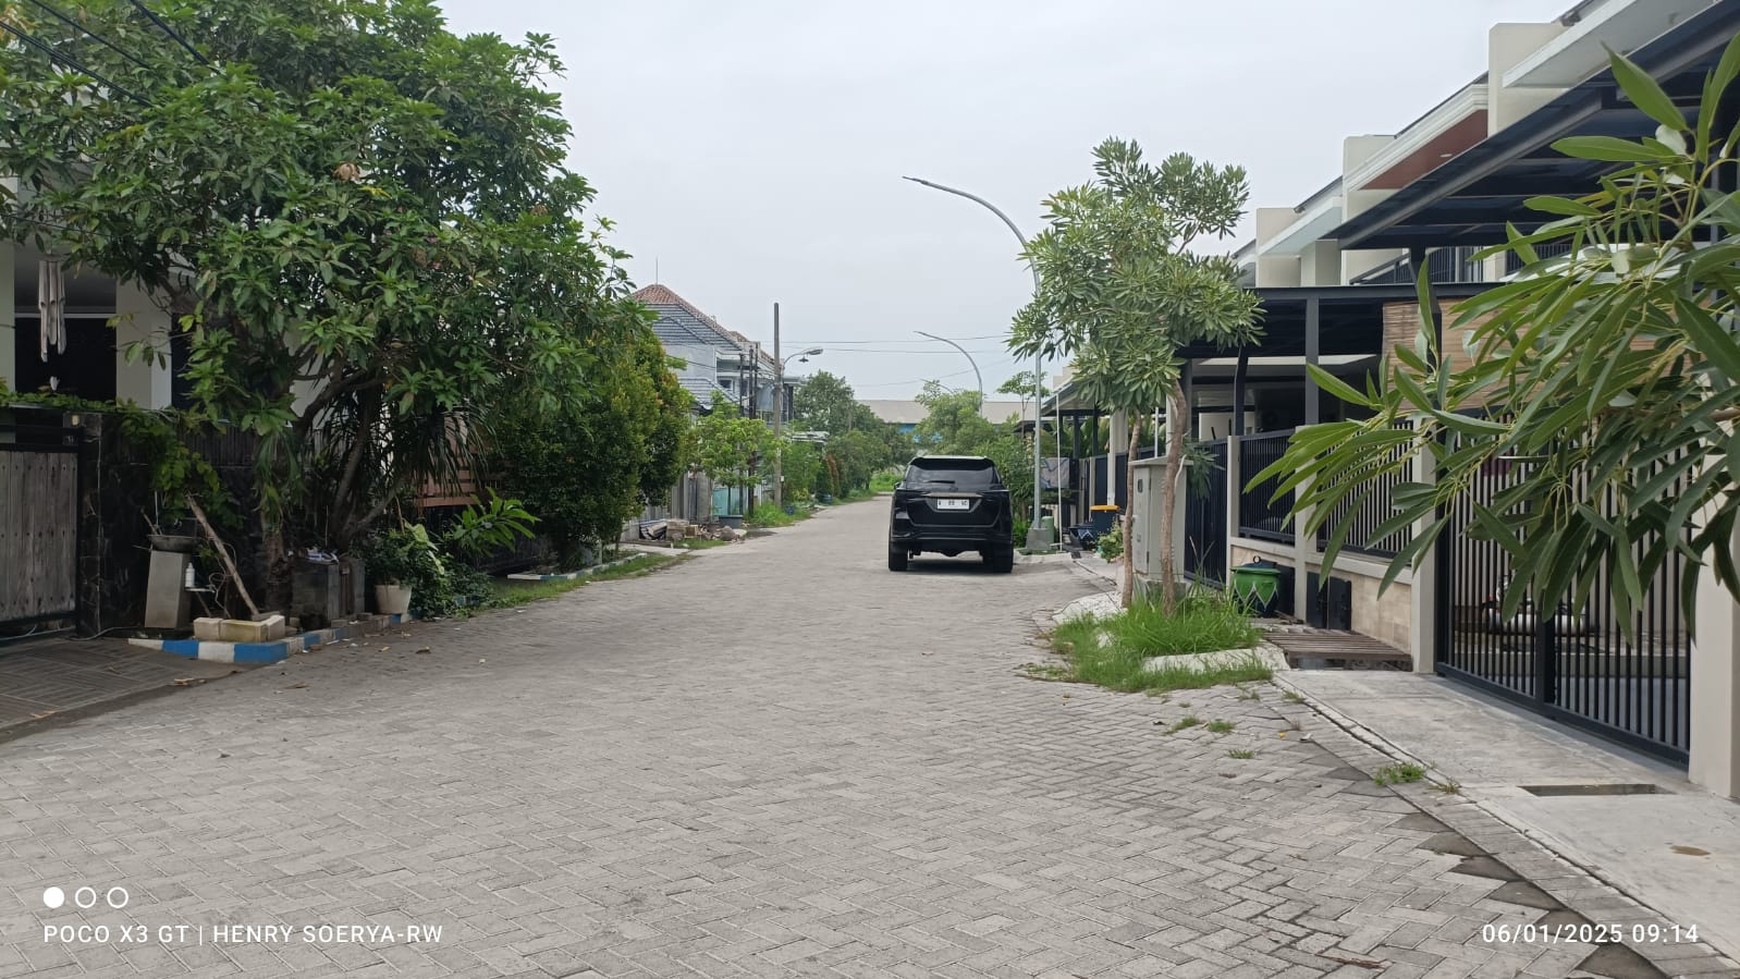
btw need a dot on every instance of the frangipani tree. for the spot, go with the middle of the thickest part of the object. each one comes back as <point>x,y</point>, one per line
<point>360,222</point>
<point>1610,372</point>
<point>1121,293</point>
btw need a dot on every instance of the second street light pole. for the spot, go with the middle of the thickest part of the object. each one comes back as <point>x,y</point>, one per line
<point>970,360</point>
<point>1034,540</point>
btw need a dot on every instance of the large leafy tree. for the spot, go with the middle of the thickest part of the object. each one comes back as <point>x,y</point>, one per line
<point>592,463</point>
<point>825,403</point>
<point>1603,380</point>
<point>1121,292</point>
<point>360,220</point>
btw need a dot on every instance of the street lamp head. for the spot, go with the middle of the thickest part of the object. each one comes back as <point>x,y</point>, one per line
<point>812,352</point>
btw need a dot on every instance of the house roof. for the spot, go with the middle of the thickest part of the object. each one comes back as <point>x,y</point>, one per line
<point>702,388</point>
<point>681,322</point>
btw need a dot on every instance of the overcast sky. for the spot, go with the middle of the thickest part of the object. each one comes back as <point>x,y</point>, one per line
<point>751,151</point>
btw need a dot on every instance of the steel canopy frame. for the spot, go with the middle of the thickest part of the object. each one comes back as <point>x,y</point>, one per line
<point>1469,199</point>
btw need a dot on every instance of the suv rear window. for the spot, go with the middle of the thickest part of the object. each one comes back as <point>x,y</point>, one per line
<point>968,475</point>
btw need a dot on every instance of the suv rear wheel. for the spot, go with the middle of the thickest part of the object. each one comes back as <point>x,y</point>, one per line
<point>897,558</point>
<point>1001,562</point>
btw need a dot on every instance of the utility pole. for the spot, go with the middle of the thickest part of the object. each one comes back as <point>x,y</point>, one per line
<point>778,418</point>
<point>755,408</point>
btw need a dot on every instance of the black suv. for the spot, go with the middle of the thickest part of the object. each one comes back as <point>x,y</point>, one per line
<point>950,504</point>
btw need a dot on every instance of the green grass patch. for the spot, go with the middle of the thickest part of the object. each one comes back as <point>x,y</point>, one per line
<point>1399,774</point>
<point>1220,727</point>
<point>511,594</point>
<point>768,517</point>
<point>884,482</point>
<point>1113,652</point>
<point>1187,721</point>
<point>1243,754</point>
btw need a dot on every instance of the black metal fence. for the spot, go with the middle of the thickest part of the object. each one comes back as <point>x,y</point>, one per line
<point>1205,505</point>
<point>1259,516</point>
<point>1366,510</point>
<point>1575,664</point>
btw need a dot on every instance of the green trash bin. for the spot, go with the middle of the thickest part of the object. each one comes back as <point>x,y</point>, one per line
<point>1258,586</point>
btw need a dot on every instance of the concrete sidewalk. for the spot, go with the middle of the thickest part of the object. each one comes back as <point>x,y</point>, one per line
<point>52,680</point>
<point>1669,844</point>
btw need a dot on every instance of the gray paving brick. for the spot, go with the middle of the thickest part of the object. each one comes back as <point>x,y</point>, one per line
<point>776,759</point>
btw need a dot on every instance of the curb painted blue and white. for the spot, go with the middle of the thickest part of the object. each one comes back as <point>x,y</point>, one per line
<point>260,653</point>
<point>571,575</point>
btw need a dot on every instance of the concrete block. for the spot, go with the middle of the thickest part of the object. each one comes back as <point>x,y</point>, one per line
<point>208,630</point>
<point>268,629</point>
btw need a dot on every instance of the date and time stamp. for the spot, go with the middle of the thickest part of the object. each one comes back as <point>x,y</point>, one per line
<point>1588,933</point>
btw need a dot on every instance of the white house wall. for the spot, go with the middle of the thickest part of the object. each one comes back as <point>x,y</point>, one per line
<point>1507,45</point>
<point>139,320</point>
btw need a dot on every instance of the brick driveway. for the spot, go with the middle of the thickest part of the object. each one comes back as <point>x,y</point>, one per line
<point>775,759</point>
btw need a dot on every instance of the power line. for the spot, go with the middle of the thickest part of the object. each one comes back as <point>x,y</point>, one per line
<point>165,28</point>
<point>75,25</point>
<point>817,343</point>
<point>932,377</point>
<point>67,61</point>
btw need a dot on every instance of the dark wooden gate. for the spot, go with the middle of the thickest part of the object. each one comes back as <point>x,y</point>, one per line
<point>39,525</point>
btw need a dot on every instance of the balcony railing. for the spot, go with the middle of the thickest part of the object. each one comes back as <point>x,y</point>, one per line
<point>1443,265</point>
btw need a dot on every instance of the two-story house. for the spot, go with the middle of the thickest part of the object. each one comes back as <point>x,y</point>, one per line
<point>715,359</point>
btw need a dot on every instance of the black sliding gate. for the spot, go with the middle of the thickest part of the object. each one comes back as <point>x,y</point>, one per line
<point>1576,664</point>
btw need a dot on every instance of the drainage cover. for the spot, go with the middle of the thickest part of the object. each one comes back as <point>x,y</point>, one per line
<point>1596,788</point>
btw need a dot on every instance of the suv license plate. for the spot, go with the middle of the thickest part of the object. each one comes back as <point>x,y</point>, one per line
<point>954,504</point>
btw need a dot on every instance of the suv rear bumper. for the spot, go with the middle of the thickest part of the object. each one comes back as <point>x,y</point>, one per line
<point>953,540</point>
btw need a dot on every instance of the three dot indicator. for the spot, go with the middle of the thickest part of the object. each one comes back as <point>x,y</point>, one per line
<point>85,898</point>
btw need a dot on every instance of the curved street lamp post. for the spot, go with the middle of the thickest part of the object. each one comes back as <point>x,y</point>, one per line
<point>1034,540</point>
<point>779,410</point>
<point>979,377</point>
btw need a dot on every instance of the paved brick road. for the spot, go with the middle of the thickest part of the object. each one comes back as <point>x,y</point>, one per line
<point>776,759</point>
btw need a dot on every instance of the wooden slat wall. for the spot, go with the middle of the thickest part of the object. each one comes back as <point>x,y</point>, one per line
<point>39,497</point>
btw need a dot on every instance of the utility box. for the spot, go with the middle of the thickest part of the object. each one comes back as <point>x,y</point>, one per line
<point>1144,542</point>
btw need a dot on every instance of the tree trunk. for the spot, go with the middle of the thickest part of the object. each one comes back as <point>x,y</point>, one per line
<point>1127,592</point>
<point>1168,531</point>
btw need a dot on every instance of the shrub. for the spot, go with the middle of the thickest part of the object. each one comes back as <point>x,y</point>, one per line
<point>1111,545</point>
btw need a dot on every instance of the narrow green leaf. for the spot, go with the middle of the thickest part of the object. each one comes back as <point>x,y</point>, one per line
<point>1644,92</point>
<point>1609,149</point>
<point>1561,205</point>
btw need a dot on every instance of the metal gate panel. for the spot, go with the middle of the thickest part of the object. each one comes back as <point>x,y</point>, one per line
<point>1575,664</point>
<point>38,531</point>
<point>1205,531</point>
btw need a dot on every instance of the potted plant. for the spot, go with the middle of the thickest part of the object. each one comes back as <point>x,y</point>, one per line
<point>400,561</point>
